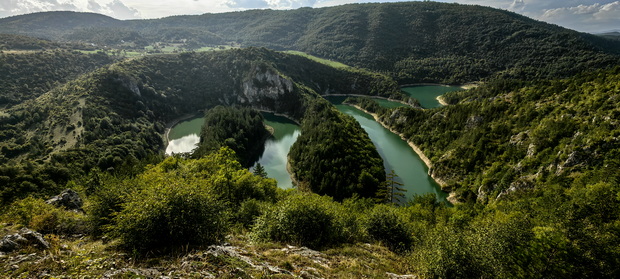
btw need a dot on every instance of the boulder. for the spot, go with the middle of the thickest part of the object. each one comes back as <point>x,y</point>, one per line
<point>68,199</point>
<point>23,238</point>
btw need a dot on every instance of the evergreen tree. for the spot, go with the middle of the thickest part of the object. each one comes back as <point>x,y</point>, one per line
<point>391,191</point>
<point>260,170</point>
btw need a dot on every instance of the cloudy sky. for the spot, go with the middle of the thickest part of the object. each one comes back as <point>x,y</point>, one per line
<point>582,15</point>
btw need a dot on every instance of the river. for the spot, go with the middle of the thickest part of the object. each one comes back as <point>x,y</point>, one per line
<point>396,153</point>
<point>184,137</point>
<point>427,94</point>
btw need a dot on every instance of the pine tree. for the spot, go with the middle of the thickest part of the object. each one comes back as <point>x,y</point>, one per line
<point>391,191</point>
<point>260,170</point>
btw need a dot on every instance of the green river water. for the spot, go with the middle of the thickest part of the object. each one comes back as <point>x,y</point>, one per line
<point>396,153</point>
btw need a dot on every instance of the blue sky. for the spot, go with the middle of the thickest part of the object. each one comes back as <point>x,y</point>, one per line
<point>584,15</point>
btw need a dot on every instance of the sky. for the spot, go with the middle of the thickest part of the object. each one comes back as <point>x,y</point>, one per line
<point>581,15</point>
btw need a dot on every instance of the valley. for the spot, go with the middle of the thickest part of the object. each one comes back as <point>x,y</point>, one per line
<point>288,175</point>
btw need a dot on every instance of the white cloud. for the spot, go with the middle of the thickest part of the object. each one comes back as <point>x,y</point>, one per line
<point>582,15</point>
<point>597,17</point>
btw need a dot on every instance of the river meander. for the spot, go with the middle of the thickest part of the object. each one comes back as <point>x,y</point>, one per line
<point>396,153</point>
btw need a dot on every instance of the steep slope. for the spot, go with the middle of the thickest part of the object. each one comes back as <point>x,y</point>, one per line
<point>510,137</point>
<point>116,115</point>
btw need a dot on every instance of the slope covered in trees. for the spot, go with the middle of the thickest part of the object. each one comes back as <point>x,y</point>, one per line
<point>511,136</point>
<point>412,41</point>
<point>115,116</point>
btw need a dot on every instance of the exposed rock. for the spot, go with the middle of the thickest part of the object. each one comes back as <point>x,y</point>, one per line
<point>69,199</point>
<point>523,183</point>
<point>315,256</point>
<point>23,238</point>
<point>531,150</point>
<point>34,238</point>
<point>474,121</point>
<point>396,276</point>
<point>125,272</point>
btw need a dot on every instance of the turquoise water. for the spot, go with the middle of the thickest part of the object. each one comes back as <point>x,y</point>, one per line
<point>427,94</point>
<point>397,155</point>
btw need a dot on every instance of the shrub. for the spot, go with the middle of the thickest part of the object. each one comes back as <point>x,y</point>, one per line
<point>45,218</point>
<point>385,224</point>
<point>171,215</point>
<point>303,219</point>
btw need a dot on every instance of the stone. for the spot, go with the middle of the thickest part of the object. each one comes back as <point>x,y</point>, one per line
<point>68,199</point>
<point>12,242</point>
<point>34,238</point>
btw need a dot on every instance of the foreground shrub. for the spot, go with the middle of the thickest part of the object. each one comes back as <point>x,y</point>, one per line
<point>302,219</point>
<point>385,224</point>
<point>171,215</point>
<point>45,218</point>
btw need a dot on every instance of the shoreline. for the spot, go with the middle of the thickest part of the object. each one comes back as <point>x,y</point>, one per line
<point>465,86</point>
<point>279,114</point>
<point>441,101</point>
<point>415,148</point>
<point>369,96</point>
<point>174,122</point>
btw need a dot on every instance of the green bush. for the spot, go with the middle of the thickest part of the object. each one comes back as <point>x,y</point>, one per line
<point>303,219</point>
<point>171,215</point>
<point>45,218</point>
<point>385,224</point>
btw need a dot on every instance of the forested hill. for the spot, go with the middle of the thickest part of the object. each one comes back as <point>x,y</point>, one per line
<point>413,41</point>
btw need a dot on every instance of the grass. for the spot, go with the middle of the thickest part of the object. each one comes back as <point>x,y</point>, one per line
<point>330,63</point>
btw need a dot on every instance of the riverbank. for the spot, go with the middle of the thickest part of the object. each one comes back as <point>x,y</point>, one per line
<point>279,114</point>
<point>465,86</point>
<point>176,121</point>
<point>369,96</point>
<point>441,100</point>
<point>414,147</point>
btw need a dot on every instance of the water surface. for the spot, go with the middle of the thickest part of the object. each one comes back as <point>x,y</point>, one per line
<point>427,94</point>
<point>396,153</point>
<point>277,148</point>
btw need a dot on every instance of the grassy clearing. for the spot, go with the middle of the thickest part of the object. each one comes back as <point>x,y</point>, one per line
<point>320,60</point>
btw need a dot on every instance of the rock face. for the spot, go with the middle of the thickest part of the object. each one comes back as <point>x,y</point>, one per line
<point>23,238</point>
<point>68,199</point>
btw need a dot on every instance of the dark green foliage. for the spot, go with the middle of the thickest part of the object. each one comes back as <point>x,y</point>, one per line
<point>468,43</point>
<point>28,75</point>
<point>384,223</point>
<point>180,202</point>
<point>334,156</point>
<point>260,170</point>
<point>240,129</point>
<point>391,190</point>
<point>300,219</point>
<point>171,216</point>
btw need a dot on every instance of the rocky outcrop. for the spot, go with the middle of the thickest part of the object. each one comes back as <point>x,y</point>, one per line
<point>68,199</point>
<point>25,237</point>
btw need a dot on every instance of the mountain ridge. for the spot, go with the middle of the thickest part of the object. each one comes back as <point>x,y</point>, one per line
<point>411,41</point>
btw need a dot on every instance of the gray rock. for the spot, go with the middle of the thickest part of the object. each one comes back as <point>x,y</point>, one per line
<point>12,242</point>
<point>34,238</point>
<point>68,198</point>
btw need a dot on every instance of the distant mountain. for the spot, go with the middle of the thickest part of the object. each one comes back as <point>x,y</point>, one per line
<point>412,41</point>
<point>53,25</point>
<point>614,35</point>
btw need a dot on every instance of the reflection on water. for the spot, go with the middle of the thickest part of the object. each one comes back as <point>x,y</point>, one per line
<point>183,144</point>
<point>277,148</point>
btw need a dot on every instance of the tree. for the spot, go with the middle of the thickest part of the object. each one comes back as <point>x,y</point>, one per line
<point>260,170</point>
<point>391,191</point>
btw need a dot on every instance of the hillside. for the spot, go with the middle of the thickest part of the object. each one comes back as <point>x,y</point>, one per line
<point>530,156</point>
<point>468,43</point>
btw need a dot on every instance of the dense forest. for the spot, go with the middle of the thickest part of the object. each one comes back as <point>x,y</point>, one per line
<point>468,43</point>
<point>240,129</point>
<point>530,155</point>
